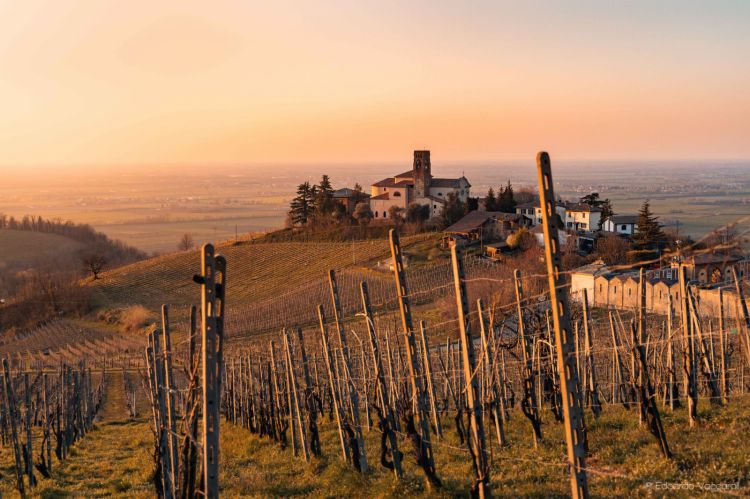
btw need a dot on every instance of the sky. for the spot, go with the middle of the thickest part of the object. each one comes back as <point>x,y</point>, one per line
<point>170,82</point>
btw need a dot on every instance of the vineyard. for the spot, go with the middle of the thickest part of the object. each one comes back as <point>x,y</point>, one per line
<point>301,369</point>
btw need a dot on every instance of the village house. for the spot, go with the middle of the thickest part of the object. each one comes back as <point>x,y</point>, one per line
<point>584,278</point>
<point>582,216</point>
<point>607,288</point>
<point>624,225</point>
<point>349,198</point>
<point>533,212</point>
<point>484,226</point>
<point>711,267</point>
<point>416,186</point>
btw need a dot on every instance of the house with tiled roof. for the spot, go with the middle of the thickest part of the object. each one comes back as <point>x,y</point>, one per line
<point>416,186</point>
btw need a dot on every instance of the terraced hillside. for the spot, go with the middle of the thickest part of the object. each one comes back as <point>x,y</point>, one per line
<point>67,341</point>
<point>257,271</point>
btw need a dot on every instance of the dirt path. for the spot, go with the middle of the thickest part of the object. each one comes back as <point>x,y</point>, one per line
<point>114,408</point>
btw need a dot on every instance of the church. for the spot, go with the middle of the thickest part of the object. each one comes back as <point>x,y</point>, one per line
<point>416,186</point>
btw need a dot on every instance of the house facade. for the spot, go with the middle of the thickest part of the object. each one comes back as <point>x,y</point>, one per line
<point>582,216</point>
<point>416,186</point>
<point>485,226</point>
<point>612,289</point>
<point>623,225</point>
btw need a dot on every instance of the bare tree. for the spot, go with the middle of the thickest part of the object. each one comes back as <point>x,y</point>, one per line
<point>94,264</point>
<point>186,242</point>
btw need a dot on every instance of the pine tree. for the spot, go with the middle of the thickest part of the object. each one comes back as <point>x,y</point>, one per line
<point>325,186</point>
<point>490,201</point>
<point>505,202</point>
<point>301,206</point>
<point>648,235</point>
<point>323,196</point>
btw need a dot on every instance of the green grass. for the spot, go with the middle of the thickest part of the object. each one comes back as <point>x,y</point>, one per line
<point>115,460</point>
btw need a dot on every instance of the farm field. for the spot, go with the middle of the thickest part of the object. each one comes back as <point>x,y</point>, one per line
<point>150,208</point>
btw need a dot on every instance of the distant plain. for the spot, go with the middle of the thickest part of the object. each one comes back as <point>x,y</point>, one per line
<point>151,208</point>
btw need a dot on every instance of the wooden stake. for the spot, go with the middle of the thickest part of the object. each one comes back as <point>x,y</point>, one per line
<point>428,375</point>
<point>385,400</point>
<point>569,385</point>
<point>477,441</point>
<point>414,375</point>
<point>211,332</point>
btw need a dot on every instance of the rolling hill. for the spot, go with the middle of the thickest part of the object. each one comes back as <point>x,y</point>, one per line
<point>256,271</point>
<point>24,249</point>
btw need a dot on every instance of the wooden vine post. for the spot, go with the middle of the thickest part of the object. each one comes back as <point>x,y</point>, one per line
<point>743,331</point>
<point>495,399</point>
<point>575,435</point>
<point>10,410</point>
<point>385,400</point>
<point>649,410</point>
<point>417,392</point>
<point>346,364</point>
<point>689,350</point>
<point>337,409</point>
<point>529,403</point>
<point>428,375</point>
<point>591,388</point>
<point>169,399</point>
<point>213,269</point>
<point>294,398</point>
<point>477,440</point>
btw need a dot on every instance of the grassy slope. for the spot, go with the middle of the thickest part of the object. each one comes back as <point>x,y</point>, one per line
<point>24,249</point>
<point>115,460</point>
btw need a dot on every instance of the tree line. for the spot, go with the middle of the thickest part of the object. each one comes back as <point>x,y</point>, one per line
<point>113,251</point>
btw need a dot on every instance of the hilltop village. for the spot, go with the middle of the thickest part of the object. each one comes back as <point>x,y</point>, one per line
<point>603,249</point>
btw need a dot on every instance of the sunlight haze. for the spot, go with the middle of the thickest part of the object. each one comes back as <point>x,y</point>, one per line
<point>102,82</point>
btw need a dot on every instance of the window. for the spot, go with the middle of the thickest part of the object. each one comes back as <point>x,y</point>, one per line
<point>600,288</point>
<point>614,290</point>
<point>376,214</point>
<point>384,189</point>
<point>630,291</point>
<point>624,227</point>
<point>396,194</point>
<point>440,193</point>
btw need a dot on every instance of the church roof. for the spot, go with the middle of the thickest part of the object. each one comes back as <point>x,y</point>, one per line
<point>448,182</point>
<point>393,182</point>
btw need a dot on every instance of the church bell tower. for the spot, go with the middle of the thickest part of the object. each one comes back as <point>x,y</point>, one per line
<point>422,174</point>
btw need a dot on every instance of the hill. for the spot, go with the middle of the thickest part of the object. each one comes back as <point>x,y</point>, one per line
<point>257,271</point>
<point>23,249</point>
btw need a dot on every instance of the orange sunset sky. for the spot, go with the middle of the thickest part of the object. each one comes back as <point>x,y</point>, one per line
<point>105,81</point>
